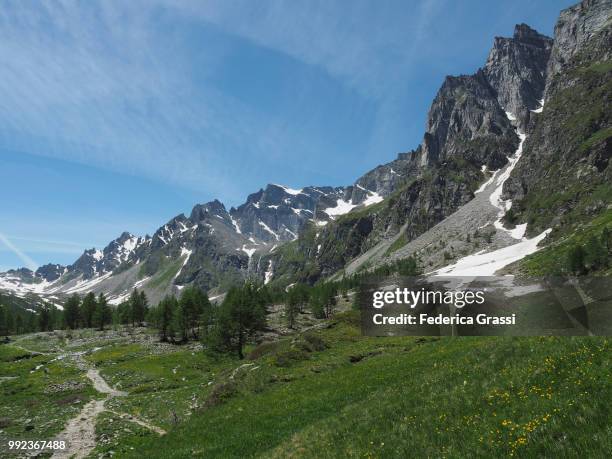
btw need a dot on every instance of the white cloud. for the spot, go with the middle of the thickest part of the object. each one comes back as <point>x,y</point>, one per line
<point>111,84</point>
<point>31,264</point>
<point>366,44</point>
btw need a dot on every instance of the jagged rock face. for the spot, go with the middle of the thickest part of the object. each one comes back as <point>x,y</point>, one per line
<point>50,272</point>
<point>466,116</point>
<point>467,128</point>
<point>516,70</point>
<point>277,213</point>
<point>314,231</point>
<point>565,173</point>
<point>577,26</point>
<point>95,262</point>
<point>383,179</point>
<point>24,274</point>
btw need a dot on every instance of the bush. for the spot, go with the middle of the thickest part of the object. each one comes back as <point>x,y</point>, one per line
<point>286,358</point>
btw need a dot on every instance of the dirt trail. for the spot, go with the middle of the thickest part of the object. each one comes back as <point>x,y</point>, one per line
<point>80,433</point>
<point>101,385</point>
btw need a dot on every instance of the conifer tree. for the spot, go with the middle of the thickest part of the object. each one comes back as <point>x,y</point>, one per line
<point>103,313</point>
<point>193,305</point>
<point>240,315</point>
<point>88,308</point>
<point>4,331</point>
<point>44,319</point>
<point>165,316</point>
<point>71,312</point>
<point>138,308</point>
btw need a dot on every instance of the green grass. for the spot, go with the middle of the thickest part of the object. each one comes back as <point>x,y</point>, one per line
<point>552,259</point>
<point>166,273</point>
<point>329,392</point>
<point>391,397</point>
<point>33,403</point>
<point>400,242</point>
<point>595,138</point>
<point>598,67</point>
<point>160,385</point>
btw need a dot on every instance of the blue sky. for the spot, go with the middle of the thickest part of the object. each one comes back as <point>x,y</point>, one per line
<point>116,116</point>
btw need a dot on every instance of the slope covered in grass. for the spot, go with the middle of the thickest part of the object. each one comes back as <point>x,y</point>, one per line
<point>334,393</point>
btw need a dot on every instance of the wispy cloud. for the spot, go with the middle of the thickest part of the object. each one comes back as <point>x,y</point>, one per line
<point>124,85</point>
<point>36,245</point>
<point>31,264</point>
<point>367,44</point>
<point>101,83</point>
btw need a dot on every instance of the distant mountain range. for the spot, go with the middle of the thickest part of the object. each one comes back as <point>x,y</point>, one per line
<point>513,155</point>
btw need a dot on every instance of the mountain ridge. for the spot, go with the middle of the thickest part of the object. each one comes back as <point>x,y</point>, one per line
<point>474,128</point>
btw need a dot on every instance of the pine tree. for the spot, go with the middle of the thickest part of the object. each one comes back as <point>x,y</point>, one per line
<point>179,323</point>
<point>606,239</point>
<point>145,305</point>
<point>575,260</point>
<point>88,308</point>
<point>316,303</point>
<point>138,308</point>
<point>595,254</point>
<point>293,305</point>
<point>10,320</point>
<point>44,319</point>
<point>31,322</point>
<point>123,313</point>
<point>4,331</point>
<point>193,304</point>
<point>19,325</point>
<point>165,317</point>
<point>71,312</point>
<point>330,303</point>
<point>103,313</point>
<point>242,313</point>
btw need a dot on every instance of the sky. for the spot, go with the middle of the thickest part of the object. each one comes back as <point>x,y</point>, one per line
<point>116,116</point>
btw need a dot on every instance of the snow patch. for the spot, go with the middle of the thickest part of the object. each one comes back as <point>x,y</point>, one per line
<point>235,223</point>
<point>87,285</point>
<point>269,273</point>
<point>267,228</point>
<point>292,233</point>
<point>373,199</point>
<point>540,108</point>
<point>486,183</point>
<point>249,252</point>
<point>290,190</point>
<point>119,299</point>
<point>187,252</point>
<point>342,207</point>
<point>487,264</point>
<point>495,197</point>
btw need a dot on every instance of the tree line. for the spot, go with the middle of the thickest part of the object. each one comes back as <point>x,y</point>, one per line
<point>225,328</point>
<point>595,254</point>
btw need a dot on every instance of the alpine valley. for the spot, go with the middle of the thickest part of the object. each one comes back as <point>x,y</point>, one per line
<point>240,333</point>
<point>512,172</point>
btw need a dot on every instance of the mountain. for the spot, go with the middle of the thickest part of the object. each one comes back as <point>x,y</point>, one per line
<point>472,129</point>
<point>213,247</point>
<point>514,160</point>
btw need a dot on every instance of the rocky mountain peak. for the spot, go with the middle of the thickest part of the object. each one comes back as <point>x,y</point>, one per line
<point>576,27</point>
<point>50,272</point>
<point>525,34</point>
<point>464,113</point>
<point>516,70</point>
<point>202,211</point>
